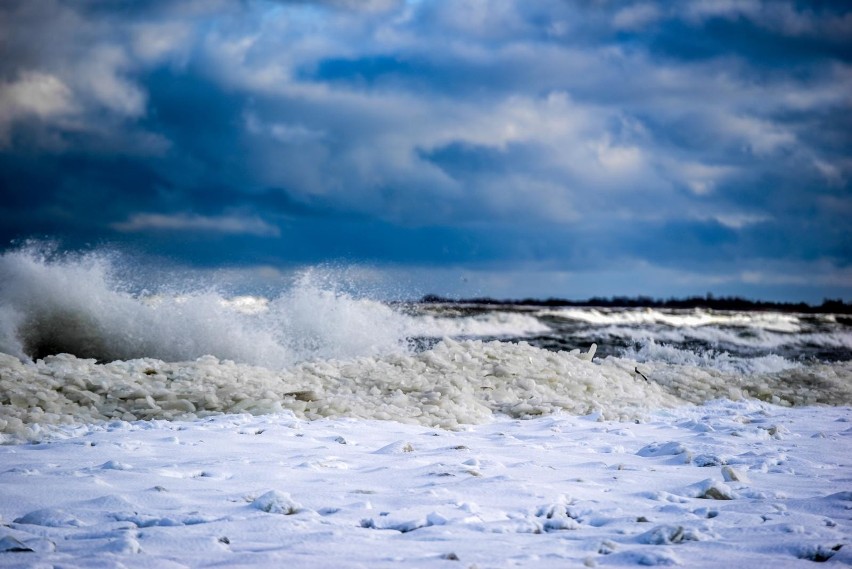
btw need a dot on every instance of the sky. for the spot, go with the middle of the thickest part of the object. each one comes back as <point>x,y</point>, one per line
<point>469,147</point>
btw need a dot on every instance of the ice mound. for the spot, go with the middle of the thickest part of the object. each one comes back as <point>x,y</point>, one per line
<point>452,384</point>
<point>826,384</point>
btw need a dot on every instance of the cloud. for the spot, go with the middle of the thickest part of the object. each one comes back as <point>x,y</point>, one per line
<point>636,16</point>
<point>360,5</point>
<point>161,41</point>
<point>552,131</point>
<point>33,94</point>
<point>229,224</point>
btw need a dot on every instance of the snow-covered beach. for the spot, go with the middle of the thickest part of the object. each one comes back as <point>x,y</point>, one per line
<point>705,486</point>
<point>421,284</point>
<point>319,429</point>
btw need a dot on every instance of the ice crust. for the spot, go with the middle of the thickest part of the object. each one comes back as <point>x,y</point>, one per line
<point>452,384</point>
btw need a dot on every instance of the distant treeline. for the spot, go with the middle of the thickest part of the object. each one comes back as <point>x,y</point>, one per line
<point>711,302</point>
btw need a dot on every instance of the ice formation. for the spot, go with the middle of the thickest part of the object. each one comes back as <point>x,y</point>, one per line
<point>451,384</point>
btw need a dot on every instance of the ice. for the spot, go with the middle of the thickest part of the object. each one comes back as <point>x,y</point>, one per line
<point>12,545</point>
<point>450,385</point>
<point>49,517</point>
<point>275,502</point>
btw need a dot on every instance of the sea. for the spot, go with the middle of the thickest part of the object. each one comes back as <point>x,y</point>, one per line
<point>84,341</point>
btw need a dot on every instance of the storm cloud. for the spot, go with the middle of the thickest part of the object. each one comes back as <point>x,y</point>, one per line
<point>699,142</point>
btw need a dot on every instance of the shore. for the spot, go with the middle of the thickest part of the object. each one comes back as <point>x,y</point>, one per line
<point>716,485</point>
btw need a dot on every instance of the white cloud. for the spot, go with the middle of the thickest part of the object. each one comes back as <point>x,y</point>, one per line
<point>636,16</point>
<point>701,179</point>
<point>701,10</point>
<point>366,5</point>
<point>229,224</point>
<point>358,143</point>
<point>738,220</point>
<point>33,94</point>
<point>37,93</point>
<point>831,172</point>
<point>809,274</point>
<point>281,132</point>
<point>155,42</point>
<point>618,158</point>
<point>102,78</point>
<point>761,136</point>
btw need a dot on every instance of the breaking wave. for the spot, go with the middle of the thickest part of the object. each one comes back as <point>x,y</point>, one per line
<point>79,343</point>
<point>51,304</point>
<point>697,317</point>
<point>73,304</point>
<point>722,361</point>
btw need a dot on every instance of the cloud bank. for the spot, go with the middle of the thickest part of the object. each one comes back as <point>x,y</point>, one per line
<point>700,138</point>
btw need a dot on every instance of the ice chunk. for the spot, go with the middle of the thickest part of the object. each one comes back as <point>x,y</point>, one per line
<point>276,502</point>
<point>50,517</point>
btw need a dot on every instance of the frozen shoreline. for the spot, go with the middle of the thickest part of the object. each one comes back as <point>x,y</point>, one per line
<point>699,486</point>
<point>448,386</point>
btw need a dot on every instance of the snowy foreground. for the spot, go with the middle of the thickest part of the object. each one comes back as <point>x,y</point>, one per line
<point>718,485</point>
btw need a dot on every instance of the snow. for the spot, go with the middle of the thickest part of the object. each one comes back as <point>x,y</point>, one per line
<point>725,483</point>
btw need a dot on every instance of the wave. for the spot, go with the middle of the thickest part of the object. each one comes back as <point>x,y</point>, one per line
<point>75,304</point>
<point>757,339</point>
<point>651,351</point>
<point>81,343</point>
<point>495,324</point>
<point>453,383</point>
<point>54,303</point>
<point>773,321</point>
<point>492,324</point>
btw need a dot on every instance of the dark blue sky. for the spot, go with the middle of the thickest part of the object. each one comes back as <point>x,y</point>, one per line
<point>503,147</point>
